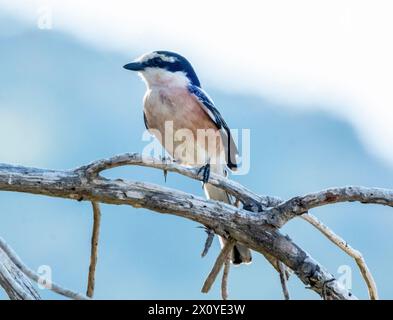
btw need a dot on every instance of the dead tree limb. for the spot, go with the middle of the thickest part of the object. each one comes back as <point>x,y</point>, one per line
<point>94,248</point>
<point>20,287</point>
<point>224,280</point>
<point>283,280</point>
<point>282,213</point>
<point>355,254</point>
<point>15,283</point>
<point>222,257</point>
<point>257,227</point>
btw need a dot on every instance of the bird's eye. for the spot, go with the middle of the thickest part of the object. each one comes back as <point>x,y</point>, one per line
<point>155,62</point>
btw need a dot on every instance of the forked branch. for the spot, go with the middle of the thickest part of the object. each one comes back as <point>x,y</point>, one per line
<point>343,245</point>
<point>221,259</point>
<point>29,292</point>
<point>257,227</point>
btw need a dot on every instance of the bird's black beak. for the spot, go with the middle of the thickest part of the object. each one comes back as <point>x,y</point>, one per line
<point>134,66</point>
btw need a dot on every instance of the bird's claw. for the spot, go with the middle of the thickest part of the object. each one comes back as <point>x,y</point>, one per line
<point>165,160</point>
<point>205,170</point>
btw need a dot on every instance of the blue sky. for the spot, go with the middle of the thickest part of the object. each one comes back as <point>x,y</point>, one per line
<point>64,102</point>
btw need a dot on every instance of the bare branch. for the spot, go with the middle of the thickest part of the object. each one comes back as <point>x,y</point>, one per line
<point>14,282</point>
<point>237,190</point>
<point>256,230</point>
<point>35,277</point>
<point>222,257</point>
<point>94,248</point>
<point>224,280</point>
<point>342,244</point>
<point>291,208</point>
<point>283,280</point>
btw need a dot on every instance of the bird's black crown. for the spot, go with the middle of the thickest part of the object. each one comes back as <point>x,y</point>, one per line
<point>177,63</point>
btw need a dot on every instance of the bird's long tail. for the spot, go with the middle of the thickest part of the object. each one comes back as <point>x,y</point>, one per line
<point>240,254</point>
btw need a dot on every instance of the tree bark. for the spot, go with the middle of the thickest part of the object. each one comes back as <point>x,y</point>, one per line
<point>257,227</point>
<point>14,282</point>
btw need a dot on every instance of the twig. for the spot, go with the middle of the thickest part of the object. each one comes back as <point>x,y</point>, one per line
<point>283,279</point>
<point>342,244</point>
<point>240,192</point>
<point>224,280</point>
<point>94,248</point>
<point>283,212</point>
<point>36,277</point>
<point>222,257</point>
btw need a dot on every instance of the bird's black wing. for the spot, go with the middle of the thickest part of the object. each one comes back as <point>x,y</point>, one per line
<point>208,106</point>
<point>145,120</point>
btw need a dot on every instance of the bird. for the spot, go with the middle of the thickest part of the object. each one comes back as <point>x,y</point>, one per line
<point>174,96</point>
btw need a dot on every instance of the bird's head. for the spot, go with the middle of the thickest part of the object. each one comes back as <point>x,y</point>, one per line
<point>164,68</point>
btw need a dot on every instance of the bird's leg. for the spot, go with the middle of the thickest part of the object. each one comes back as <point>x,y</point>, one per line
<point>165,175</point>
<point>205,170</point>
<point>165,160</point>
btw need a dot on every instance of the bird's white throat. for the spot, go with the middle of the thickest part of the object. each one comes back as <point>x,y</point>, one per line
<point>155,77</point>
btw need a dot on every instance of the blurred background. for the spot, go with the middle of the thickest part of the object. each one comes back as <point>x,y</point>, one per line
<point>310,79</point>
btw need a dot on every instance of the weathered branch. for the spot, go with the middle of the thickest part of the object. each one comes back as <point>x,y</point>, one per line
<point>282,213</point>
<point>257,230</point>
<point>224,280</point>
<point>283,280</point>
<point>94,248</point>
<point>240,192</point>
<point>26,291</point>
<point>14,282</point>
<point>342,244</point>
<point>222,257</point>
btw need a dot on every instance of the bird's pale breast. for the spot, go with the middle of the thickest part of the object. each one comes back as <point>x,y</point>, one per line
<point>179,107</point>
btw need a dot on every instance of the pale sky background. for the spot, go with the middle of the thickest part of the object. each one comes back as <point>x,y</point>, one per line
<point>289,51</point>
<point>311,79</point>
